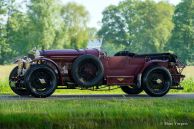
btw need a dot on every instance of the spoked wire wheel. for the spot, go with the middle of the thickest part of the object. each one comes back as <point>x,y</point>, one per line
<point>157,81</point>
<point>41,80</point>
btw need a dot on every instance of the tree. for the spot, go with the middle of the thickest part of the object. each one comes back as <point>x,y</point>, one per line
<point>2,32</point>
<point>114,28</point>
<point>141,26</point>
<point>6,9</point>
<point>43,16</point>
<point>182,40</point>
<point>18,33</point>
<point>42,24</point>
<point>75,19</point>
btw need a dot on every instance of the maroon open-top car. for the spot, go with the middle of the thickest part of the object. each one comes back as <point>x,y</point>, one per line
<point>40,74</point>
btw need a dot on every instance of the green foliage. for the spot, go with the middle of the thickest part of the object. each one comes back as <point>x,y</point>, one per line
<point>75,18</point>
<point>134,25</point>
<point>18,34</point>
<point>42,15</point>
<point>96,114</point>
<point>182,40</point>
<point>111,48</point>
<point>188,85</point>
<point>4,46</point>
<point>46,24</point>
<point>141,26</point>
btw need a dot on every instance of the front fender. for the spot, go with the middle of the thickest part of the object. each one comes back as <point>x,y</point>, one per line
<point>40,60</point>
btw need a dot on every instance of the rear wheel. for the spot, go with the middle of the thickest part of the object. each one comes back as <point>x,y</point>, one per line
<point>40,81</point>
<point>129,89</point>
<point>157,81</point>
<point>15,85</point>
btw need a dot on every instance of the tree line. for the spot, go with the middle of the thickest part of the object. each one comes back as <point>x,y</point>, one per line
<point>41,24</point>
<point>134,25</point>
<point>150,27</point>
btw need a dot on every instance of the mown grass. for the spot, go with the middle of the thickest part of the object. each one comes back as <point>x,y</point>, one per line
<point>152,113</point>
<point>188,84</point>
<point>5,71</point>
<point>89,114</point>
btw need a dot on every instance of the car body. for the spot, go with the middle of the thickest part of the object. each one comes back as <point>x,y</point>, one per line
<point>86,68</point>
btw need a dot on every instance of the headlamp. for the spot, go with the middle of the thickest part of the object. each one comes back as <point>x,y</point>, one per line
<point>37,54</point>
<point>27,63</point>
<point>20,63</point>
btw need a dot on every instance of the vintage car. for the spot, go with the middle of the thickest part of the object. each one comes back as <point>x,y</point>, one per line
<point>40,74</point>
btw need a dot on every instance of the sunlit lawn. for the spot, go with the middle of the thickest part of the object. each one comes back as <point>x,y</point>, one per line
<point>5,71</point>
<point>89,114</point>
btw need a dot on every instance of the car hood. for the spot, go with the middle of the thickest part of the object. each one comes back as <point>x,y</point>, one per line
<point>69,52</point>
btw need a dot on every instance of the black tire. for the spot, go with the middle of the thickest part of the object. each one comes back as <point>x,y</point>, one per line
<point>15,85</point>
<point>131,89</point>
<point>125,53</point>
<point>40,81</point>
<point>156,81</point>
<point>87,71</point>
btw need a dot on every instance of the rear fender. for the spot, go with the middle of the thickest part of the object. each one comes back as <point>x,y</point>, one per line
<point>153,63</point>
<point>146,66</point>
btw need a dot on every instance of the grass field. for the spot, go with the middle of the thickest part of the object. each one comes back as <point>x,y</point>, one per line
<point>91,114</point>
<point>5,71</point>
<point>153,113</point>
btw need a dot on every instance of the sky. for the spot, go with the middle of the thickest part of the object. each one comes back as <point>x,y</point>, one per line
<point>96,7</point>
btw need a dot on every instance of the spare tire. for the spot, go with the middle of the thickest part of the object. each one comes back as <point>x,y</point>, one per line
<point>87,70</point>
<point>125,53</point>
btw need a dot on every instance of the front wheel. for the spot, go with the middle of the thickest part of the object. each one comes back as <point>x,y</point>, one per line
<point>131,89</point>
<point>157,81</point>
<point>16,86</point>
<point>40,81</point>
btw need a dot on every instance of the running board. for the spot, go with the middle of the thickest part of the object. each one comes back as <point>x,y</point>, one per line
<point>177,87</point>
